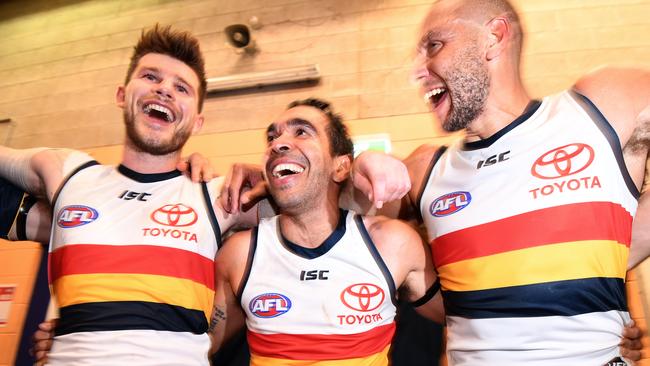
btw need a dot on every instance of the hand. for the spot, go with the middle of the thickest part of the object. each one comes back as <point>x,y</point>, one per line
<point>630,345</point>
<point>197,167</point>
<point>381,177</point>
<point>244,184</point>
<point>42,341</point>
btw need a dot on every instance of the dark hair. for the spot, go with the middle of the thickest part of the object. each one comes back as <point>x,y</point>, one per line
<point>180,45</point>
<point>340,142</point>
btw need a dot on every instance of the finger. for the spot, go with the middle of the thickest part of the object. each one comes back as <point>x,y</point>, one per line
<point>379,192</point>
<point>258,192</point>
<point>182,165</point>
<point>632,331</point>
<point>207,174</point>
<point>41,356</point>
<point>234,188</point>
<point>631,355</point>
<point>224,195</point>
<point>46,326</point>
<point>43,346</point>
<point>363,184</point>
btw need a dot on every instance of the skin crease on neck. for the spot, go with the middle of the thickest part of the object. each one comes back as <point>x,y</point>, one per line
<point>492,38</point>
<point>167,82</point>
<point>308,201</point>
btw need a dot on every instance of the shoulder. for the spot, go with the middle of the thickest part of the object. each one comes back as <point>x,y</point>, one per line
<point>234,251</point>
<point>392,233</point>
<point>621,94</point>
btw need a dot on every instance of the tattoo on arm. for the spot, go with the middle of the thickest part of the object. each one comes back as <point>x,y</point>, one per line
<point>218,315</point>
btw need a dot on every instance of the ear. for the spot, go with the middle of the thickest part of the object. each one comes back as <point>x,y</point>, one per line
<point>499,34</point>
<point>342,166</point>
<point>198,123</point>
<point>119,97</point>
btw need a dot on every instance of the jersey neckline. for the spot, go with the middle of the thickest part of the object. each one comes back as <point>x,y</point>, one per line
<point>147,178</point>
<point>311,253</point>
<point>531,108</point>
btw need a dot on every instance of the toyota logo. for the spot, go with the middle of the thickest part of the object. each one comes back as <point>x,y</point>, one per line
<point>563,161</point>
<point>177,215</point>
<point>363,297</point>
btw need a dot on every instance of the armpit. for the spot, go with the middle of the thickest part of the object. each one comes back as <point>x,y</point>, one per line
<point>640,139</point>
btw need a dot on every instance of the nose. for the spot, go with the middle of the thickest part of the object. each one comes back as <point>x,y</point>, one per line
<point>164,91</point>
<point>281,144</point>
<point>420,69</point>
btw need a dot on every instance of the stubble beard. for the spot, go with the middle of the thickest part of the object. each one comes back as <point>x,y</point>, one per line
<point>468,86</point>
<point>151,145</point>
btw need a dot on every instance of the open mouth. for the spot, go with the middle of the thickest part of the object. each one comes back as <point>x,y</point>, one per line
<point>159,112</point>
<point>286,169</point>
<point>434,96</point>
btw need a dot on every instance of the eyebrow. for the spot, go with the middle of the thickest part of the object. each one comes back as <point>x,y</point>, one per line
<point>295,122</point>
<point>427,37</point>
<point>157,70</point>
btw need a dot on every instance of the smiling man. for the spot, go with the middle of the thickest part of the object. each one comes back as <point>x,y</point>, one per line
<point>317,284</point>
<point>132,246</point>
<point>530,215</point>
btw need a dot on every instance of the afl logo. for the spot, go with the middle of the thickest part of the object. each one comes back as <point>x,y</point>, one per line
<point>76,215</point>
<point>563,161</point>
<point>450,203</point>
<point>177,215</point>
<point>363,297</point>
<point>269,305</point>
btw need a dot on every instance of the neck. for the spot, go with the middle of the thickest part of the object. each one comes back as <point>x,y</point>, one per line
<point>310,227</point>
<point>506,101</point>
<point>145,163</point>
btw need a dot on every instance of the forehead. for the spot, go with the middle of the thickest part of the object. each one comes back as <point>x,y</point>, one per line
<point>443,16</point>
<point>313,115</point>
<point>169,66</point>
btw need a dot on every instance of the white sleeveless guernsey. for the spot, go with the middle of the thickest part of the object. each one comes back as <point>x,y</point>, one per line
<point>132,268</point>
<point>333,305</point>
<point>530,231</point>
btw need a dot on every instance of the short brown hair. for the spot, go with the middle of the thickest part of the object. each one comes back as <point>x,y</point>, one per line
<point>180,45</point>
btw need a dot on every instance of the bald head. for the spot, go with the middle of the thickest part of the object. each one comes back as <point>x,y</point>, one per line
<point>481,12</point>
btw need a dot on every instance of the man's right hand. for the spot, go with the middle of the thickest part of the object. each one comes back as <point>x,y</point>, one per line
<point>43,341</point>
<point>244,184</point>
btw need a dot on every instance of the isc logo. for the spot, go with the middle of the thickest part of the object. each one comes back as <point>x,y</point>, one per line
<point>450,203</point>
<point>76,215</point>
<point>269,305</point>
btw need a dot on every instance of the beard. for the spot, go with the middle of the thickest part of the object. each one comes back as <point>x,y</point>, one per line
<point>153,145</point>
<point>468,86</point>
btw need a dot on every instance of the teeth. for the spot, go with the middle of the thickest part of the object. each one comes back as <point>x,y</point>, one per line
<point>432,93</point>
<point>295,168</point>
<point>166,111</point>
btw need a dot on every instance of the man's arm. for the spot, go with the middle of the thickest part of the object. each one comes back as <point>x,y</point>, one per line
<point>623,96</point>
<point>409,261</point>
<point>227,315</point>
<point>640,246</point>
<point>39,171</point>
<point>399,189</point>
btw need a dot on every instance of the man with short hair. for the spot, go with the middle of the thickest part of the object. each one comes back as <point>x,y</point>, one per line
<point>133,246</point>
<point>318,284</point>
<point>530,215</point>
